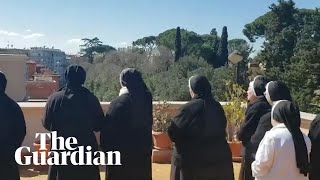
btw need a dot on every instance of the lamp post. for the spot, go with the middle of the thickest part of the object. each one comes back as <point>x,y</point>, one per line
<point>235,58</point>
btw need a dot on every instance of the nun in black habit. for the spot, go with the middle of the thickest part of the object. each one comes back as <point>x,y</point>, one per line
<point>314,135</point>
<point>12,133</point>
<point>258,106</point>
<point>201,151</point>
<point>128,129</point>
<point>275,91</point>
<point>284,151</point>
<point>74,111</point>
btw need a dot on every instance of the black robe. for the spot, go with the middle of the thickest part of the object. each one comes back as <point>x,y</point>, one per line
<point>130,133</point>
<point>314,135</point>
<point>74,112</point>
<point>12,133</point>
<point>263,126</point>
<point>201,150</point>
<point>247,130</point>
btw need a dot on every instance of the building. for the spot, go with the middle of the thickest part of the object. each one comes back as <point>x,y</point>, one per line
<point>14,67</point>
<point>31,69</point>
<point>54,59</point>
<point>14,51</point>
<point>42,86</point>
<point>41,82</point>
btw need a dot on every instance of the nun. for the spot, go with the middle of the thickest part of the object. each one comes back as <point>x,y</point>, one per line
<point>128,129</point>
<point>257,107</point>
<point>275,91</point>
<point>199,134</point>
<point>12,133</point>
<point>284,151</point>
<point>74,111</point>
<point>314,135</point>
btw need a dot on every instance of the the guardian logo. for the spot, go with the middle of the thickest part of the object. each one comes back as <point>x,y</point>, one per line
<point>58,156</point>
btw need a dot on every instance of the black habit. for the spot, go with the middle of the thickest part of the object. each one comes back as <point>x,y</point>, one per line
<point>128,129</point>
<point>74,111</point>
<point>201,151</point>
<point>288,113</point>
<point>253,114</point>
<point>12,133</point>
<point>314,135</point>
<point>276,90</point>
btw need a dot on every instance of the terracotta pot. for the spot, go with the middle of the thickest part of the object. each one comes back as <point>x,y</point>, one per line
<point>161,140</point>
<point>236,149</point>
<point>161,156</point>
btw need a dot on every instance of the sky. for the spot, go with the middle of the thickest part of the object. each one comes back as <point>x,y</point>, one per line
<point>63,23</point>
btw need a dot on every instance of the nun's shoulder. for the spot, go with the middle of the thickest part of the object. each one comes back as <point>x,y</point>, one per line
<point>123,99</point>
<point>314,126</point>
<point>316,120</point>
<point>10,103</point>
<point>56,95</point>
<point>261,104</point>
<point>194,104</point>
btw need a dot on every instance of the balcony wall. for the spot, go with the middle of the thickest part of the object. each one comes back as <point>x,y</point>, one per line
<point>33,112</point>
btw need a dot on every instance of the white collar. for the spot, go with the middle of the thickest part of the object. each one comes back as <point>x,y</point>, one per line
<point>281,125</point>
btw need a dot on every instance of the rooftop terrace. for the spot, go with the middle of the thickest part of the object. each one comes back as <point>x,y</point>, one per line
<point>33,112</point>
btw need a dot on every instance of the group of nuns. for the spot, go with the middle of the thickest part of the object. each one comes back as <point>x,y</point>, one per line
<point>274,146</point>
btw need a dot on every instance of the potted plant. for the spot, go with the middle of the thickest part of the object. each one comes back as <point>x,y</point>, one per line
<point>162,120</point>
<point>235,113</point>
<point>162,151</point>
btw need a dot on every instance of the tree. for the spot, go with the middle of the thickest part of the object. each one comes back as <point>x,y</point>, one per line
<point>92,46</point>
<point>190,41</point>
<point>291,48</point>
<point>147,43</point>
<point>214,32</point>
<point>177,53</point>
<point>223,48</point>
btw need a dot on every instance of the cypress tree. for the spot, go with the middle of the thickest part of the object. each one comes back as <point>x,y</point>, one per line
<point>178,45</point>
<point>223,48</point>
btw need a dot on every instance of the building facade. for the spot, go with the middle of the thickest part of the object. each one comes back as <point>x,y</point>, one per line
<point>14,67</point>
<point>54,59</point>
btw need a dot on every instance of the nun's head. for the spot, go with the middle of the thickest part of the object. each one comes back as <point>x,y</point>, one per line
<point>277,90</point>
<point>284,111</point>
<point>75,76</point>
<point>3,83</point>
<point>199,86</point>
<point>256,88</point>
<point>132,79</point>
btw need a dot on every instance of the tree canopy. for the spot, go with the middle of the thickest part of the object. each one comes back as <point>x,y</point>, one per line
<point>291,48</point>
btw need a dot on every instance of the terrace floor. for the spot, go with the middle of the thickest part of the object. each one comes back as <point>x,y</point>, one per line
<point>160,172</point>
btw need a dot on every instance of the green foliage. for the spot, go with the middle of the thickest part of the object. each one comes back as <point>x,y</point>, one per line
<point>192,44</point>
<point>173,84</point>
<point>234,109</point>
<point>147,44</point>
<point>164,79</point>
<point>291,50</point>
<point>92,46</point>
<point>223,48</point>
<point>161,117</point>
<point>214,32</point>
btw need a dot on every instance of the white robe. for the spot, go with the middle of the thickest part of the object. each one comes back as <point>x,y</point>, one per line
<point>275,158</point>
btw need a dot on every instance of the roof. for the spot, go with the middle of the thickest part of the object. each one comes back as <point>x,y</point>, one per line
<point>31,62</point>
<point>40,65</point>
